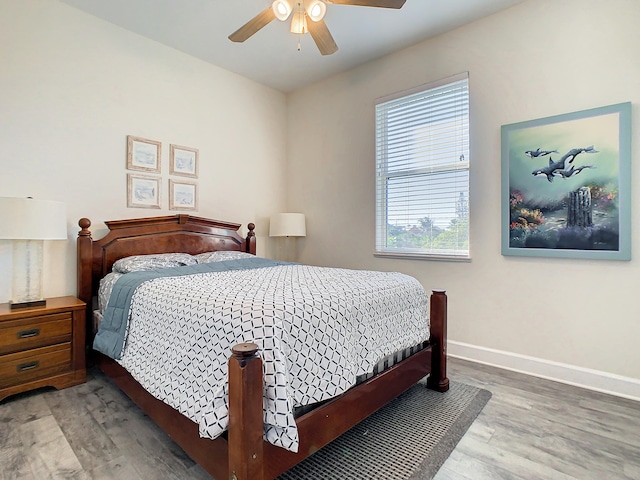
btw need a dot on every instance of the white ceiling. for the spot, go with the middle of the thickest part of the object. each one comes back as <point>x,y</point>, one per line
<point>200,28</point>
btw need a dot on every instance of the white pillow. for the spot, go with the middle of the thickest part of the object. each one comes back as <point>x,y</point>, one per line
<point>138,263</point>
<point>221,256</point>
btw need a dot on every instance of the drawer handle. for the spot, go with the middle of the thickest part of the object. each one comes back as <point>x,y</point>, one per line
<point>34,332</point>
<point>28,366</point>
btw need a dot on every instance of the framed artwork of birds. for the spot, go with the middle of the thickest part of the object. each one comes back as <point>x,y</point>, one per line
<point>566,185</point>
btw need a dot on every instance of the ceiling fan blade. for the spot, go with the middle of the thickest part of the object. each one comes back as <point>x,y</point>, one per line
<point>253,25</point>
<point>322,36</point>
<point>370,3</point>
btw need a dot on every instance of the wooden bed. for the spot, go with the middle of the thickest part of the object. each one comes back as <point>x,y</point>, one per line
<point>242,454</point>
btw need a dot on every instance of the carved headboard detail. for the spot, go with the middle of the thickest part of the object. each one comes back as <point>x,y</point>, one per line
<point>142,236</point>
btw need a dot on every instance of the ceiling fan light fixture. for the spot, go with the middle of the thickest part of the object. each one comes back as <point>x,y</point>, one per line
<point>299,21</point>
<point>282,9</point>
<point>316,9</point>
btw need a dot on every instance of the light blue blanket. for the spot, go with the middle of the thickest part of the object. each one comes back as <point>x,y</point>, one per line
<point>110,338</point>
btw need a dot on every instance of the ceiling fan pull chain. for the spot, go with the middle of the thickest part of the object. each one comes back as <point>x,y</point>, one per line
<point>299,45</point>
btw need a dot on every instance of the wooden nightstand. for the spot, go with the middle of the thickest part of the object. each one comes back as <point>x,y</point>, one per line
<point>42,346</point>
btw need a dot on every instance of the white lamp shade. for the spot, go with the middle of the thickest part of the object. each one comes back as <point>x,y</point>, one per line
<point>316,9</point>
<point>31,219</point>
<point>282,9</point>
<point>287,225</point>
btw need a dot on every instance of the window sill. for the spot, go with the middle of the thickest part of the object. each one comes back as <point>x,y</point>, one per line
<point>422,256</point>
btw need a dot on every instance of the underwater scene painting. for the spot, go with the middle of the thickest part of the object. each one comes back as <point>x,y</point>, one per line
<point>563,184</point>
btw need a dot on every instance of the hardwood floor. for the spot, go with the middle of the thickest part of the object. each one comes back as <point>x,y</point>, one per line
<point>530,429</point>
<point>538,429</point>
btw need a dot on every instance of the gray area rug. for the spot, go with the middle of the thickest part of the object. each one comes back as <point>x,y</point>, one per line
<point>408,439</point>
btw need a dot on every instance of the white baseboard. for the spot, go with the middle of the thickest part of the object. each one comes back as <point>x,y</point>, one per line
<point>604,382</point>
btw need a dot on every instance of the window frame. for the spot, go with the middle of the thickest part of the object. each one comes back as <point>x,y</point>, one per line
<point>383,175</point>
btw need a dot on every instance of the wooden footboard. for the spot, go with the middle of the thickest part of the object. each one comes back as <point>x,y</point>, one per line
<point>243,454</point>
<point>250,457</point>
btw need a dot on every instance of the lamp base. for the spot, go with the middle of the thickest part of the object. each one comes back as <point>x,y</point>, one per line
<point>26,289</point>
<point>30,304</point>
<point>287,249</point>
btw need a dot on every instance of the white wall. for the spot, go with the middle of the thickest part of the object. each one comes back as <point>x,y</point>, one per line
<point>72,87</point>
<point>537,59</point>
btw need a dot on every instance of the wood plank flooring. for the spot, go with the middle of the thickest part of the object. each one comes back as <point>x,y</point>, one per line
<point>538,429</point>
<point>530,429</point>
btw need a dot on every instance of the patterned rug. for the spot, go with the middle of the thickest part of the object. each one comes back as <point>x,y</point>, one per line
<point>408,439</point>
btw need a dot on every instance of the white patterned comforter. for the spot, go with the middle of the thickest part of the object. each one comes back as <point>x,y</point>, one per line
<point>317,330</point>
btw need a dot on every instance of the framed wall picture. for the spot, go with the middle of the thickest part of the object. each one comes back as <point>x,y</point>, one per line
<point>143,154</point>
<point>566,185</point>
<point>143,191</point>
<point>183,161</point>
<point>183,195</point>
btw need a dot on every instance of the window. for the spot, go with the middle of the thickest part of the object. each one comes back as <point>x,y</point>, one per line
<point>422,171</point>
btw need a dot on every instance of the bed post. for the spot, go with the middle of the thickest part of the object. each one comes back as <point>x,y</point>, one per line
<point>85,272</point>
<point>250,243</point>
<point>438,316</point>
<point>246,424</point>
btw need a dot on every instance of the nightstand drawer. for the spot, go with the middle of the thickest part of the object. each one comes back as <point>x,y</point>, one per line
<point>17,335</point>
<point>20,367</point>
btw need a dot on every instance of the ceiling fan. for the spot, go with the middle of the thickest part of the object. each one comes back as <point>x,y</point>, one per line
<point>302,10</point>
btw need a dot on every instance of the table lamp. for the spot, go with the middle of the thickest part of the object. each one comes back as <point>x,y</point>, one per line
<point>28,222</point>
<point>287,226</point>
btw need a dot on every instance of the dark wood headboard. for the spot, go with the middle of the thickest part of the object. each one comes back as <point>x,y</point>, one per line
<point>143,236</point>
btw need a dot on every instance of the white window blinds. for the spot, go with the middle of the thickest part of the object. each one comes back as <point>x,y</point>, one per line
<point>422,171</point>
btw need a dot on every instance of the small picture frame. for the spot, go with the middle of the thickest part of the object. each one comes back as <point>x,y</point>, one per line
<point>143,191</point>
<point>183,161</point>
<point>183,195</point>
<point>143,154</point>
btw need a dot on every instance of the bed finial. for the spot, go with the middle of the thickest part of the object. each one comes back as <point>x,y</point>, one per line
<point>250,241</point>
<point>244,351</point>
<point>84,224</point>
